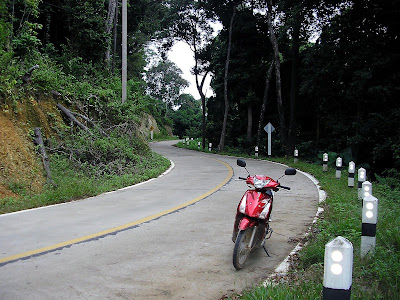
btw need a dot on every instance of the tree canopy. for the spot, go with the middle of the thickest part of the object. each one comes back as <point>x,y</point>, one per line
<point>337,61</point>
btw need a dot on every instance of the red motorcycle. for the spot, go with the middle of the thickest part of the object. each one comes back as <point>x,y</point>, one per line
<point>251,227</point>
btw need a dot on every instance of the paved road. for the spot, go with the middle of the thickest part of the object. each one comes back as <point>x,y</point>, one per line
<point>169,238</point>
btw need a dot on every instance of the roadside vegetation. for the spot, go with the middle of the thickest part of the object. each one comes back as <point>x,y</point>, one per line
<point>375,276</point>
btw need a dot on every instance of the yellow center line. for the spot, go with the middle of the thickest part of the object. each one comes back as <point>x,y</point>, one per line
<point>118,228</point>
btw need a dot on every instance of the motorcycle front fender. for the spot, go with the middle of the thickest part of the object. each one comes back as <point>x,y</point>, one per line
<point>246,222</point>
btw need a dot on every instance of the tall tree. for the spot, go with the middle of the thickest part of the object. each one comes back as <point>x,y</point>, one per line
<point>192,25</point>
<point>221,144</point>
<point>165,83</point>
<point>275,47</point>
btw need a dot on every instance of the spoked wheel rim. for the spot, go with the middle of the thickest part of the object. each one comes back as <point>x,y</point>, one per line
<point>242,248</point>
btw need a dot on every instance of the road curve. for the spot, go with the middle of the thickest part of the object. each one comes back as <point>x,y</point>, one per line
<point>167,239</point>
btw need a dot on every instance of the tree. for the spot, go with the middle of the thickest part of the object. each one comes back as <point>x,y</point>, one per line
<point>192,25</point>
<point>188,117</point>
<point>164,82</point>
<point>221,144</point>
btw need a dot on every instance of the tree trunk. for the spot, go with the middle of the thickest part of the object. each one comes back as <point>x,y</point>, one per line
<point>203,102</point>
<point>109,25</point>
<point>226,100</point>
<point>38,140</point>
<point>115,37</point>
<point>274,43</point>
<point>72,118</point>
<point>291,139</point>
<point>249,122</point>
<point>264,104</point>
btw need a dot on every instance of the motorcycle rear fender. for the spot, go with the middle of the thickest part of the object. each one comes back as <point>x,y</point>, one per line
<point>246,222</point>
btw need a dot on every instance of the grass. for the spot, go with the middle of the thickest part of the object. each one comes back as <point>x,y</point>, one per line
<point>73,184</point>
<point>375,276</point>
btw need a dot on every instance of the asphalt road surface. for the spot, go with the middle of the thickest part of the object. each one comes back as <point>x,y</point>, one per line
<point>169,238</point>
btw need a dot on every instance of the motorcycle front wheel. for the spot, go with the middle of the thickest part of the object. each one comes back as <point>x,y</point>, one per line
<point>242,248</point>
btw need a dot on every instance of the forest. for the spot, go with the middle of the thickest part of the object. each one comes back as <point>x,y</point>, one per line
<point>324,73</point>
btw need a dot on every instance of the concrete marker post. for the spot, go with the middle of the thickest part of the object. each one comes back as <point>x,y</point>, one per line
<point>369,220</point>
<point>198,145</point>
<point>352,170</point>
<point>296,156</point>
<point>362,176</point>
<point>338,168</point>
<point>325,162</point>
<point>210,147</point>
<point>366,190</point>
<point>338,269</point>
<point>256,151</point>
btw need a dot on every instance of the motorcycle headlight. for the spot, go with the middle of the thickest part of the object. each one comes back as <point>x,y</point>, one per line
<point>242,206</point>
<point>259,183</point>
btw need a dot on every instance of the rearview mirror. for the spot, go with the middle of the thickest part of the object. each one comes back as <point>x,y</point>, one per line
<point>290,171</point>
<point>241,162</point>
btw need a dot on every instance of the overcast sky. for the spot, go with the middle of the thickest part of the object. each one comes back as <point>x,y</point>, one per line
<point>182,56</point>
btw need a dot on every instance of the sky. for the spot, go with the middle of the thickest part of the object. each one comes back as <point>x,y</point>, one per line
<point>183,57</point>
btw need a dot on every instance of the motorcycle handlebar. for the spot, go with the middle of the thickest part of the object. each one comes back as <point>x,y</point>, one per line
<point>242,178</point>
<point>284,187</point>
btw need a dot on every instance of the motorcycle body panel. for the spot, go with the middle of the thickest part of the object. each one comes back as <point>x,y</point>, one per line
<point>256,201</point>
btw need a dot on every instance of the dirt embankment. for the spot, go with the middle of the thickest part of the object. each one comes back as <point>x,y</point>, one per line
<point>20,166</point>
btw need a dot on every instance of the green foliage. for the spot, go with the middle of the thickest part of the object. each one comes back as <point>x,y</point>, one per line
<point>96,165</point>
<point>188,117</point>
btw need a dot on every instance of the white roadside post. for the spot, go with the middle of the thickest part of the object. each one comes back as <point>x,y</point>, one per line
<point>338,168</point>
<point>198,145</point>
<point>362,176</point>
<point>352,170</point>
<point>338,269</point>
<point>369,220</point>
<point>366,189</point>
<point>256,151</point>
<point>210,147</point>
<point>296,156</point>
<point>325,162</point>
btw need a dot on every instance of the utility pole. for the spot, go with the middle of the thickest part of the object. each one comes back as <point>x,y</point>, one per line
<point>124,48</point>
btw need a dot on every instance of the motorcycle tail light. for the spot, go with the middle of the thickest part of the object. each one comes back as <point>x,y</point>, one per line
<point>242,206</point>
<point>265,211</point>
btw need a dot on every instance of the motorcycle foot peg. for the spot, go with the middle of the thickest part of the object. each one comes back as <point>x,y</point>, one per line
<point>270,231</point>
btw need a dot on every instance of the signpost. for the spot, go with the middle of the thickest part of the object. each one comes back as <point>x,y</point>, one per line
<point>269,129</point>
<point>151,132</point>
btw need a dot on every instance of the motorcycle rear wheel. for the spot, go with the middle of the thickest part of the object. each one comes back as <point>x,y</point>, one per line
<point>242,248</point>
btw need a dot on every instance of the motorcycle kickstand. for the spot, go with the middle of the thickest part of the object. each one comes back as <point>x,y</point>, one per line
<point>266,238</point>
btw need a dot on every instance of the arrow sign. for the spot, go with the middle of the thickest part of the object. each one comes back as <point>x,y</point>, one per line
<point>269,129</point>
